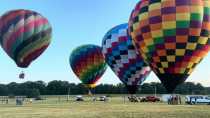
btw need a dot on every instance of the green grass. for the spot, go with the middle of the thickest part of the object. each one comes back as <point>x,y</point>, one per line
<point>115,108</point>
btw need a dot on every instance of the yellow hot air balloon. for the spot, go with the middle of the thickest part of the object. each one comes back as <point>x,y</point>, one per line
<point>172,36</point>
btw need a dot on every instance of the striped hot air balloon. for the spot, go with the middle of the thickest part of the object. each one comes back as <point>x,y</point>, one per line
<point>88,63</point>
<point>24,35</point>
<point>172,36</point>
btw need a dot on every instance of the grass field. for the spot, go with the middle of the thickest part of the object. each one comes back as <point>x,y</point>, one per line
<point>54,107</point>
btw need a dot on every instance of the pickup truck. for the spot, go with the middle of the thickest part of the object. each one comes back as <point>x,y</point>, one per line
<point>150,99</point>
<point>197,100</point>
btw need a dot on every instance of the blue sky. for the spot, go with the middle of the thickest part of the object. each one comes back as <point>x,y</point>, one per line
<point>76,22</point>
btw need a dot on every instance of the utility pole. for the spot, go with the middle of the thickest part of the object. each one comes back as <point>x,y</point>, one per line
<point>68,97</point>
<point>155,91</point>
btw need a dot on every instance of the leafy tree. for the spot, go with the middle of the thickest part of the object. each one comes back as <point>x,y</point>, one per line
<point>55,87</point>
<point>3,90</point>
<point>33,93</point>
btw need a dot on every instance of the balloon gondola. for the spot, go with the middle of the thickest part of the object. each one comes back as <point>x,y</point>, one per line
<point>22,75</point>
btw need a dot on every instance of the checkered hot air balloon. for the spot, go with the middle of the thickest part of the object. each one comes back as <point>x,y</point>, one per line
<point>24,35</point>
<point>121,56</point>
<point>172,36</point>
<point>88,63</point>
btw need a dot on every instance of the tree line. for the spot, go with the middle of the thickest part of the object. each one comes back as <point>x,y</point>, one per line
<point>31,89</point>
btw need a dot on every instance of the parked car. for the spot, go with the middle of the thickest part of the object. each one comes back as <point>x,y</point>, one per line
<point>150,99</point>
<point>197,100</point>
<point>103,98</point>
<point>79,98</point>
<point>133,99</point>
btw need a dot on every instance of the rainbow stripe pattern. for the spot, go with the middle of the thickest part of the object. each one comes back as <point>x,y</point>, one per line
<point>88,63</point>
<point>24,35</point>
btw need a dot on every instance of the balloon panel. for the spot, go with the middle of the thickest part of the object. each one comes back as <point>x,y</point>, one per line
<point>88,64</point>
<point>24,35</point>
<point>121,56</point>
<point>172,36</point>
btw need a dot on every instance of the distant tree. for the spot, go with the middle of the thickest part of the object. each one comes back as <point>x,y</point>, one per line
<point>56,87</point>
<point>41,86</point>
<point>147,89</point>
<point>207,90</point>
<point>3,90</point>
<point>33,93</point>
<point>81,89</point>
<point>13,88</point>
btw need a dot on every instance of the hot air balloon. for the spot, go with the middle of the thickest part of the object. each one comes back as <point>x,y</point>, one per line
<point>172,36</point>
<point>24,35</point>
<point>121,56</point>
<point>88,63</point>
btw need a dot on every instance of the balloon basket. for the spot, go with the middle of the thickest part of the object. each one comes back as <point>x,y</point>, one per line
<point>22,75</point>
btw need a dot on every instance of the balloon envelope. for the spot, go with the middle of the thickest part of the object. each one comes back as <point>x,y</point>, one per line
<point>172,36</point>
<point>87,62</point>
<point>24,35</point>
<point>121,56</point>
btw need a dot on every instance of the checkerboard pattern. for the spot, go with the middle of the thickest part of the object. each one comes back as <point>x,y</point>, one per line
<point>171,35</point>
<point>121,56</point>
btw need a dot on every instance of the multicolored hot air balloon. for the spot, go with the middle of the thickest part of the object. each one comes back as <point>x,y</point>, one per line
<point>121,56</point>
<point>172,36</point>
<point>88,63</point>
<point>24,35</point>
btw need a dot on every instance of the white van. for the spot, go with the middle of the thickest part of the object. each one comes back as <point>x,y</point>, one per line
<point>79,98</point>
<point>197,100</point>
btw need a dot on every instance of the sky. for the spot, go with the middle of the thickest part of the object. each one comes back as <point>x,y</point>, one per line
<point>74,23</point>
